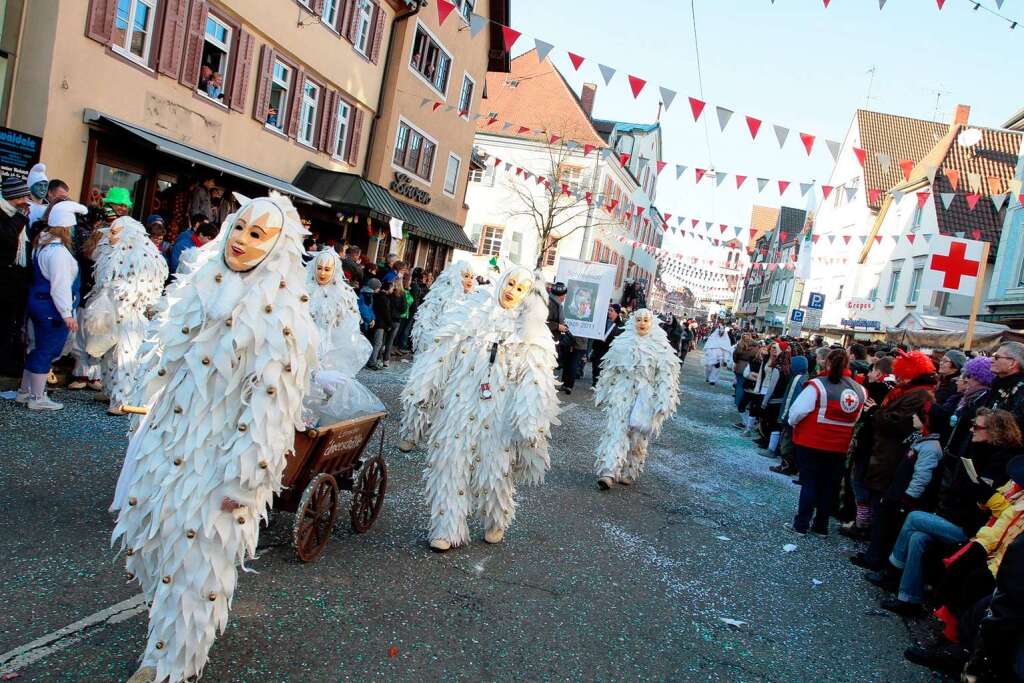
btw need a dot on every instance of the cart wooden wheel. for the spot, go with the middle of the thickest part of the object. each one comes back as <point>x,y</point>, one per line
<point>368,496</point>
<point>314,518</point>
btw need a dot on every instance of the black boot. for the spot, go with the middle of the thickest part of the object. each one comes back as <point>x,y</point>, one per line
<point>944,657</point>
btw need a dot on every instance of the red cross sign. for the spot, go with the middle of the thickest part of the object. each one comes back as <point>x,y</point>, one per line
<point>954,265</point>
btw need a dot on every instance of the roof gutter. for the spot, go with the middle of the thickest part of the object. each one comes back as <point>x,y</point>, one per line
<point>400,18</point>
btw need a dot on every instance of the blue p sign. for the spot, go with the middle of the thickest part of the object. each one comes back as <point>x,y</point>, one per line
<point>815,300</point>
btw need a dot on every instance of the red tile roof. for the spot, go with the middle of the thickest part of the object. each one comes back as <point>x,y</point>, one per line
<point>900,137</point>
<point>540,99</point>
<point>762,219</point>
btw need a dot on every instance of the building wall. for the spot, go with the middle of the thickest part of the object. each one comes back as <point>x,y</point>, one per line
<point>62,72</point>
<point>1008,270</point>
<point>404,92</point>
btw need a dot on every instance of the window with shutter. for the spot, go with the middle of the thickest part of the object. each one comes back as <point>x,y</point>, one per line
<point>243,70</point>
<point>194,44</point>
<point>353,143</point>
<point>327,123</point>
<point>377,39</point>
<point>100,22</point>
<point>172,40</point>
<point>345,17</point>
<point>132,31</point>
<point>261,105</point>
<point>296,102</point>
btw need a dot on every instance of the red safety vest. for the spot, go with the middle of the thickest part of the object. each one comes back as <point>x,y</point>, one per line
<point>829,427</point>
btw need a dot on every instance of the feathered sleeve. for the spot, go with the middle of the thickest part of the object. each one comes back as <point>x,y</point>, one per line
<point>666,385</point>
<point>612,368</point>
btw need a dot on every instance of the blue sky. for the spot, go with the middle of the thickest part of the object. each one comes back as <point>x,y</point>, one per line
<point>793,63</point>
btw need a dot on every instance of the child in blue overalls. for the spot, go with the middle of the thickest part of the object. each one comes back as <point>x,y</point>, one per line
<point>52,300</point>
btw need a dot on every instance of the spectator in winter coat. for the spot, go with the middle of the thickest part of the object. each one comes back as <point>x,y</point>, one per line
<point>950,365</point>
<point>365,302</point>
<point>350,265</point>
<point>746,349</point>
<point>382,316</point>
<point>797,380</point>
<point>14,273</point>
<point>775,378</point>
<point>822,417</point>
<point>1007,391</point>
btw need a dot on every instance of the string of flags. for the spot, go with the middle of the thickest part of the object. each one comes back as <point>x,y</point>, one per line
<point>637,84</point>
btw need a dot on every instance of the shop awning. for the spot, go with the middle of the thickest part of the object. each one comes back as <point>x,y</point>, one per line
<point>198,156</point>
<point>350,190</point>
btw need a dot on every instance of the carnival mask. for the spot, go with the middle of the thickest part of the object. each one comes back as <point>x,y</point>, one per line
<point>468,281</point>
<point>324,271</point>
<point>40,189</point>
<point>253,234</point>
<point>514,288</point>
<point>644,321</point>
<point>114,233</point>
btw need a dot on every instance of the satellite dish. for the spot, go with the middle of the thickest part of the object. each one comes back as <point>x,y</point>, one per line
<point>969,137</point>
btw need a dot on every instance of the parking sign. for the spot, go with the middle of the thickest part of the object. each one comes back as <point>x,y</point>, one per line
<point>816,301</point>
<point>798,315</point>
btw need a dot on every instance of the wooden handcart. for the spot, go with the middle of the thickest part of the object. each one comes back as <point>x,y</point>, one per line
<point>325,460</point>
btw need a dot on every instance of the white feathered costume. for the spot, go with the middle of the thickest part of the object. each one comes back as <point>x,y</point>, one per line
<point>446,294</point>
<point>489,370</point>
<point>224,383</point>
<point>335,311</point>
<point>717,353</point>
<point>638,389</point>
<point>129,275</point>
<point>450,292</point>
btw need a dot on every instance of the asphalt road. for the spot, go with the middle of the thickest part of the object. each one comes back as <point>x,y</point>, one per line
<point>631,584</point>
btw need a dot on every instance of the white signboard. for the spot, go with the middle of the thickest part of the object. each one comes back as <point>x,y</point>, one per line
<point>953,265</point>
<point>589,288</point>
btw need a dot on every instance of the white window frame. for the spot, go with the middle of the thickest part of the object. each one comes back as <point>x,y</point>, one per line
<point>458,170</point>
<point>304,110</point>
<point>464,111</point>
<point>916,222</point>
<point>914,295</point>
<point>124,50</point>
<point>466,8</point>
<point>451,59</point>
<point>342,125</point>
<point>329,13</point>
<point>893,290</point>
<point>414,129</point>
<point>226,59</point>
<point>282,111</point>
<point>364,27</point>
<point>496,242</point>
<point>484,176</point>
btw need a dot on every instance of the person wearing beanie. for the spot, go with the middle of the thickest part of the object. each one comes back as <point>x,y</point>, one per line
<point>119,199</point>
<point>949,369</point>
<point>14,274</point>
<point>52,301</point>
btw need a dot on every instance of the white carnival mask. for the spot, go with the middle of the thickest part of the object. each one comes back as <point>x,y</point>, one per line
<point>514,287</point>
<point>325,269</point>
<point>253,234</point>
<point>644,322</point>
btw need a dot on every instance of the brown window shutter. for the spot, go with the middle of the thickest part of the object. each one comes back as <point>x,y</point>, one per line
<point>329,127</point>
<point>243,70</point>
<point>344,17</point>
<point>356,126</point>
<point>172,40</point>
<point>318,7</point>
<point>262,101</point>
<point>100,22</point>
<point>194,44</point>
<point>296,103</point>
<point>353,22</point>
<point>377,34</point>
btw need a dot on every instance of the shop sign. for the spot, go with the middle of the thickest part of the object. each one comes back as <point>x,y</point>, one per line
<point>856,304</point>
<point>402,184</point>
<point>866,324</point>
<point>18,152</point>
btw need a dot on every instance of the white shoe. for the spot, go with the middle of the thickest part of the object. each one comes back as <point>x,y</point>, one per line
<point>440,545</point>
<point>44,403</point>
<point>22,397</point>
<point>146,674</point>
<point>605,483</point>
<point>406,446</point>
<point>494,536</point>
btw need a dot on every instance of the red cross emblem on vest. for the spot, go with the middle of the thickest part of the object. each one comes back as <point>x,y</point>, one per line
<point>848,400</point>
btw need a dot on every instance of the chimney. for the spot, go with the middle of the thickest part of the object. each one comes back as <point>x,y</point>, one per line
<point>961,115</point>
<point>587,98</point>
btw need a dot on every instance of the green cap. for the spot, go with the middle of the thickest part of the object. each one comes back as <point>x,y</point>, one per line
<point>118,195</point>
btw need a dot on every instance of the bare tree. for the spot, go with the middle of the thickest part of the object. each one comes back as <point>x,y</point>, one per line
<point>555,200</point>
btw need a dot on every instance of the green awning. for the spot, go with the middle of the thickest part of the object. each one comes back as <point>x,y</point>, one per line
<point>349,190</point>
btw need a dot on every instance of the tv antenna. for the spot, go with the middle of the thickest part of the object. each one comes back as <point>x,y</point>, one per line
<point>871,84</point>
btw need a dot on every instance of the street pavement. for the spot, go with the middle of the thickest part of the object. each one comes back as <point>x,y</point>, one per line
<point>632,584</point>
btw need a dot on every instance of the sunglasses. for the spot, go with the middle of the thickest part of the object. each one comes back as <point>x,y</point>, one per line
<point>996,356</point>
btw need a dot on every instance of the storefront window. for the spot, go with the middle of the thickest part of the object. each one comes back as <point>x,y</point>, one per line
<point>106,177</point>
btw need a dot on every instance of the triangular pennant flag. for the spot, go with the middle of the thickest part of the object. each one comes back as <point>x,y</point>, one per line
<point>667,97</point>
<point>739,180</point>
<point>510,36</point>
<point>833,149</point>
<point>906,165</point>
<point>543,49</point>
<point>826,190</point>
<point>911,237</point>
<point>754,125</point>
<point>995,185</point>
<point>477,23</point>
<point>931,170</point>
<point>424,102</point>
<point>878,239</point>
<point>523,130</point>
<point>444,8</point>
<point>436,106</point>
<point>781,134</point>
<point>507,125</point>
<point>804,187</point>
<point>976,234</point>
<point>723,117</point>
<point>624,158</point>
<point>953,176</point>
<point>497,162</point>
<point>847,238</point>
<point>851,193</point>
<point>947,199</point>
<point>972,200</point>
<point>922,199</point>
<point>998,200</point>
<point>491,121</point>
<point>761,183</point>
<point>694,222</point>
<point>940,3</point>
<point>783,184</point>
<point>881,4</point>
<point>553,139</point>
<point>874,195</point>
<point>699,172</point>
<point>719,177</point>
<point>722,227</point>
<point>576,60</point>
<point>660,166</point>
<point>860,154</point>
<point>680,169</point>
<point>607,73</point>
<point>808,141</point>
<point>696,107</point>
<point>636,85</point>
<point>587,149</point>
<point>815,238</point>
<point>571,144</point>
<point>508,166</point>
<point>451,108</point>
<point>885,161</point>
<point>863,239</point>
<point>897,195</point>
<point>928,238</point>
